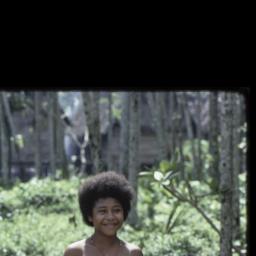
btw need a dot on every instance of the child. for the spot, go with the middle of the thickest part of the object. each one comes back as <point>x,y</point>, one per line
<point>105,201</point>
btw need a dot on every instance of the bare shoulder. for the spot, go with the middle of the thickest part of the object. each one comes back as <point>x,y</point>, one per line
<point>133,249</point>
<point>75,249</point>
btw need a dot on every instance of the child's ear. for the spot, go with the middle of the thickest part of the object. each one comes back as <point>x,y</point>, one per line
<point>90,218</point>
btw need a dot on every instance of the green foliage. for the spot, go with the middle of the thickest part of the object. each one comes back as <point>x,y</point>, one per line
<point>41,217</point>
<point>44,195</point>
<point>189,232</point>
<point>205,155</point>
<point>37,234</point>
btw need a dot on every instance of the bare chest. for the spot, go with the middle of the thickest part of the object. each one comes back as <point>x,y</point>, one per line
<point>90,250</point>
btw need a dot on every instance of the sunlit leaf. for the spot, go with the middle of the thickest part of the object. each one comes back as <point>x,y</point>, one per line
<point>242,145</point>
<point>195,183</point>
<point>166,182</point>
<point>145,174</point>
<point>19,140</point>
<point>158,175</point>
<point>242,177</point>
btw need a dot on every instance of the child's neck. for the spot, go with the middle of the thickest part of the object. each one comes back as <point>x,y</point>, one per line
<point>105,243</point>
<point>101,240</point>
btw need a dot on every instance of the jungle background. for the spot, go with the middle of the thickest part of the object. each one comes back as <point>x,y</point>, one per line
<point>184,152</point>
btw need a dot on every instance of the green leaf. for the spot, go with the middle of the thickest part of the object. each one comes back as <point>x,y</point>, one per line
<point>166,182</point>
<point>242,145</point>
<point>173,165</point>
<point>242,177</point>
<point>169,175</point>
<point>19,140</point>
<point>116,113</point>
<point>164,166</point>
<point>195,183</point>
<point>145,174</point>
<point>158,176</point>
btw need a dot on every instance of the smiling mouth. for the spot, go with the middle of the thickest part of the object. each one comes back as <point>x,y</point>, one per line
<point>110,225</point>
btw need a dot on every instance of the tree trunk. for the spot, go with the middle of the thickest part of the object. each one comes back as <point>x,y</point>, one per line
<point>167,116</point>
<point>187,117</point>
<point>12,131</point>
<point>4,143</point>
<point>52,139</point>
<point>190,134</point>
<point>124,134</point>
<point>180,134</point>
<point>226,175</point>
<point>155,102</point>
<point>96,129</point>
<point>199,137</point>
<point>37,103</point>
<point>134,132</point>
<point>110,133</point>
<point>91,108</point>
<point>172,124</point>
<point>161,124</point>
<point>236,164</point>
<point>244,133</point>
<point>87,111</point>
<point>213,137</point>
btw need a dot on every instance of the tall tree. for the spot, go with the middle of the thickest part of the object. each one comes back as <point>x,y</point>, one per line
<point>243,133</point>
<point>96,131</point>
<point>237,113</point>
<point>124,134</point>
<point>51,129</point>
<point>134,133</point>
<point>167,122</point>
<point>110,132</point>
<point>226,174</point>
<point>199,136</point>
<point>190,133</point>
<point>37,103</point>
<point>180,133</point>
<point>4,143</point>
<point>13,133</point>
<point>91,108</point>
<point>156,104</point>
<point>172,121</point>
<point>161,123</point>
<point>213,138</point>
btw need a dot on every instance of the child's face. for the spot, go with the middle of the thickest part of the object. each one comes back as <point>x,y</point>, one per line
<point>107,216</point>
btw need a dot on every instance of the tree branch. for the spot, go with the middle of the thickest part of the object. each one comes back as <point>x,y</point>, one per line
<point>194,203</point>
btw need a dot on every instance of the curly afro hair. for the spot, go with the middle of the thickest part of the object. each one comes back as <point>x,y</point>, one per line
<point>103,185</point>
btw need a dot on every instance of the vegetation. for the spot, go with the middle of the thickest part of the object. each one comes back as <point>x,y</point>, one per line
<point>42,217</point>
<point>191,202</point>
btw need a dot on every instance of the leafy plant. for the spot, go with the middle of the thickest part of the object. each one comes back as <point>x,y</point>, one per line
<point>167,227</point>
<point>45,195</point>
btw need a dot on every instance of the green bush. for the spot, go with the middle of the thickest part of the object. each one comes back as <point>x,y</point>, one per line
<point>41,217</point>
<point>37,234</point>
<point>44,195</point>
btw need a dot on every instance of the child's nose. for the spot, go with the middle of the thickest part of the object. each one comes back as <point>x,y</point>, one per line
<point>110,215</point>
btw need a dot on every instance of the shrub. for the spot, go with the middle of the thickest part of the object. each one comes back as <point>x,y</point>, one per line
<point>41,217</point>
<point>44,195</point>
